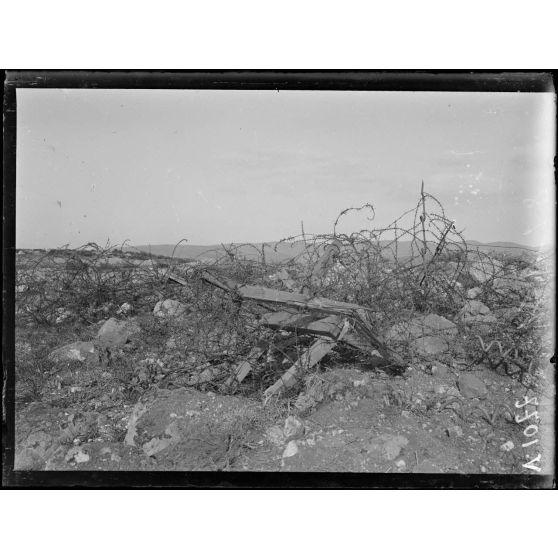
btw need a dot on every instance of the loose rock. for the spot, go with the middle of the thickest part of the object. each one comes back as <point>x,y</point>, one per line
<point>507,446</point>
<point>80,351</point>
<point>440,370</point>
<point>387,446</point>
<point>470,386</point>
<point>116,333</point>
<point>293,428</point>
<point>455,431</point>
<point>169,309</point>
<point>125,308</point>
<point>275,435</point>
<point>474,292</point>
<point>475,312</point>
<point>28,460</point>
<point>427,467</point>
<point>430,345</point>
<point>290,450</point>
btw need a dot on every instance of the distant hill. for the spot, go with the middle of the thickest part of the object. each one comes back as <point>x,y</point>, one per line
<point>276,252</point>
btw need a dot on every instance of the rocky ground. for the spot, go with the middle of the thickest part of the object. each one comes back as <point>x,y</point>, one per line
<point>123,390</point>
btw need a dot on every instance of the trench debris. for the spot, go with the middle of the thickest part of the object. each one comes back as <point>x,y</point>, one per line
<point>328,321</point>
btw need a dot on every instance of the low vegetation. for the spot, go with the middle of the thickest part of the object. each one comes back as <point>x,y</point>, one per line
<point>499,304</point>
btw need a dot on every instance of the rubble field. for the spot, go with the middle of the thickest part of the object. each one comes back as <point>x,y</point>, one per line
<point>350,357</point>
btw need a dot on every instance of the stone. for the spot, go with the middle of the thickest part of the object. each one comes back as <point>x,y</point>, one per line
<point>79,351</point>
<point>81,457</point>
<point>473,293</point>
<point>125,309</point>
<point>455,431</point>
<point>429,335</point>
<point>304,402</point>
<point>76,454</point>
<point>208,375</point>
<point>422,326</point>
<point>434,324</point>
<point>394,445</point>
<point>474,312</point>
<point>509,285</point>
<point>471,386</point>
<point>478,274</point>
<point>116,333</point>
<point>440,370</point>
<point>507,446</point>
<point>290,450</point>
<point>482,269</point>
<point>388,446</point>
<point>169,309</point>
<point>274,434</point>
<point>61,315</point>
<point>427,466</point>
<point>28,460</point>
<point>474,308</point>
<point>158,444</point>
<point>39,441</point>
<point>430,345</point>
<point>293,429</point>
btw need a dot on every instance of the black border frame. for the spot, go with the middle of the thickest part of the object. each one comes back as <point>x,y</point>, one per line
<point>532,81</point>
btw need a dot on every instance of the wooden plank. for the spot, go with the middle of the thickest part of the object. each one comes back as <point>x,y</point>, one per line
<point>283,319</point>
<point>305,324</point>
<point>309,358</point>
<point>362,335</point>
<point>295,300</point>
<point>245,367</point>
<point>177,279</point>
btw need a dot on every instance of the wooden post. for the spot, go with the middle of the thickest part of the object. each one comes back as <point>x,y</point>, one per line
<point>423,219</point>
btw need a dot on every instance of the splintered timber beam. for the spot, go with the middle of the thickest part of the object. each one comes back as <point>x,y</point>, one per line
<point>309,358</point>
<point>264,294</point>
<point>245,367</point>
<point>306,324</point>
<point>295,300</point>
<point>361,335</point>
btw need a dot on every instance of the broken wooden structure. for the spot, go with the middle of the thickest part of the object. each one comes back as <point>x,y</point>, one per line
<point>330,321</point>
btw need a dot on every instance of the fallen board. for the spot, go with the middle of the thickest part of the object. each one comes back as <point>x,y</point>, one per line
<point>361,329</point>
<point>309,358</point>
<point>306,324</point>
<point>245,367</point>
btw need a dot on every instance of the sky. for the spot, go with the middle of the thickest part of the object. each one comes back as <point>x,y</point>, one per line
<point>157,166</point>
